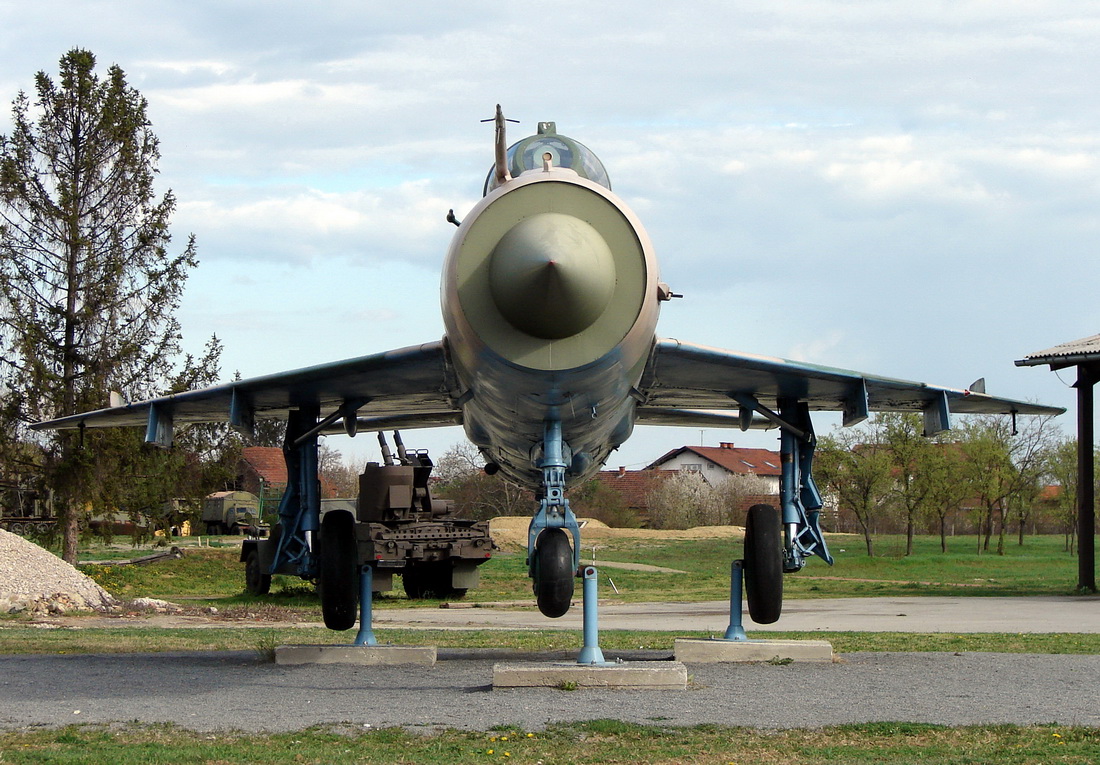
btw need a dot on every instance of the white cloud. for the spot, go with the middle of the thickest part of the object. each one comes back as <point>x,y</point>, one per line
<point>188,67</point>
<point>300,225</point>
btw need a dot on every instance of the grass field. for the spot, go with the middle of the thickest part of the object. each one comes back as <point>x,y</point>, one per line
<point>598,741</point>
<point>16,639</point>
<point>213,575</point>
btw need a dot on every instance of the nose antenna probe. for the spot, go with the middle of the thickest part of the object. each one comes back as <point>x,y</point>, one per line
<point>501,172</point>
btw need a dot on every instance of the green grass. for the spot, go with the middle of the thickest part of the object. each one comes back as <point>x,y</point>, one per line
<point>598,741</point>
<point>214,576</point>
<point>15,639</point>
<point>1040,567</point>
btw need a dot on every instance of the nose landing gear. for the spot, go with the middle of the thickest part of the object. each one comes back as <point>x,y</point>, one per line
<point>554,573</point>
<point>551,563</point>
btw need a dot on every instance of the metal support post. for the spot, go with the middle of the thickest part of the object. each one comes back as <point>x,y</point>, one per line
<point>591,653</point>
<point>1086,492</point>
<point>366,616</point>
<point>737,575</point>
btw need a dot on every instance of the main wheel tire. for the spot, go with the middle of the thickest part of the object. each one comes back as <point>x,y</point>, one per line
<point>256,580</point>
<point>554,573</point>
<point>764,564</point>
<point>413,580</point>
<point>338,570</point>
<point>431,580</point>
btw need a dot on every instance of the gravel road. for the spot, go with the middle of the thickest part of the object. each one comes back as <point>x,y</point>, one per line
<point>234,690</point>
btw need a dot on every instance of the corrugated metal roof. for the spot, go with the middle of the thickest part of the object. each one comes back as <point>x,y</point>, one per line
<point>1066,354</point>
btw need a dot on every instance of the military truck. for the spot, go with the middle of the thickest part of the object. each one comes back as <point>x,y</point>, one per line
<point>396,528</point>
<point>232,512</point>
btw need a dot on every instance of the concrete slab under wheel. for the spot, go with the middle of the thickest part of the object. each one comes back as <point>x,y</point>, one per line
<point>368,655</point>
<point>663,675</point>
<point>698,651</point>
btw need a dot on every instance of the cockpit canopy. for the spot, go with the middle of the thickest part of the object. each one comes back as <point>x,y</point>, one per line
<point>564,152</point>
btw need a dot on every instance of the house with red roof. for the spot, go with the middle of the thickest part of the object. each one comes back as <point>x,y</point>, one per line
<point>262,471</point>
<point>715,463</point>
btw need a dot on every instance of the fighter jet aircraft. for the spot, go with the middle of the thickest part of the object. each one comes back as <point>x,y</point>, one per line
<point>550,299</point>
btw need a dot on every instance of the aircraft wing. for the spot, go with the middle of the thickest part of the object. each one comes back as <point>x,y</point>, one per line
<point>405,385</point>
<point>682,377</point>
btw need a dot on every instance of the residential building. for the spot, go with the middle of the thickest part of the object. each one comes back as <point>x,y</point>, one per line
<point>715,463</point>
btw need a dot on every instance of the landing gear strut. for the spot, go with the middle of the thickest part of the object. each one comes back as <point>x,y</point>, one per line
<point>551,563</point>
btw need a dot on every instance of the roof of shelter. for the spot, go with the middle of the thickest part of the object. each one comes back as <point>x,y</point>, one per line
<point>1085,350</point>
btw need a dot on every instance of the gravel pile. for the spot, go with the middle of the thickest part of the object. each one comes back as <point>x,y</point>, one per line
<point>35,580</point>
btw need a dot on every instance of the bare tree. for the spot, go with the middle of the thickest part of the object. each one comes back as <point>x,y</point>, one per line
<point>1001,466</point>
<point>909,452</point>
<point>477,495</point>
<point>855,465</point>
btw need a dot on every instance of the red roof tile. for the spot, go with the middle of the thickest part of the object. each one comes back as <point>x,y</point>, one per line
<point>633,485</point>
<point>266,462</point>
<point>732,458</point>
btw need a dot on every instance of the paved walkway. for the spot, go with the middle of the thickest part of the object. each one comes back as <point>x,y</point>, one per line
<point>917,614</point>
<point>219,690</point>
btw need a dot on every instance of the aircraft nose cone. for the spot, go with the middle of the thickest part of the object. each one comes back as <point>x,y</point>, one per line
<point>552,275</point>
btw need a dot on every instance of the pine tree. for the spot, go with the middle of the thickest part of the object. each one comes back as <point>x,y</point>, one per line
<point>88,288</point>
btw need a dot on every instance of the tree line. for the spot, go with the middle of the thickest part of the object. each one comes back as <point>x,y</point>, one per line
<point>885,474</point>
<point>881,476</point>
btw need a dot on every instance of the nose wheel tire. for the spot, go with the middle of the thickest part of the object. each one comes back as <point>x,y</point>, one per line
<point>554,574</point>
<point>764,564</point>
<point>338,570</point>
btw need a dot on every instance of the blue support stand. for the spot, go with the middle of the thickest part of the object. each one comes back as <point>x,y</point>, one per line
<point>737,575</point>
<point>366,610</point>
<point>590,652</point>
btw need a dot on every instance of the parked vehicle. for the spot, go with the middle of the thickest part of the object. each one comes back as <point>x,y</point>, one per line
<point>395,527</point>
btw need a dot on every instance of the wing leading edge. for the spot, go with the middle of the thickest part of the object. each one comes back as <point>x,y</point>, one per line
<point>406,386</point>
<point>684,377</point>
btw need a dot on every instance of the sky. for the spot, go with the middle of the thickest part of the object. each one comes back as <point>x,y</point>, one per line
<point>907,189</point>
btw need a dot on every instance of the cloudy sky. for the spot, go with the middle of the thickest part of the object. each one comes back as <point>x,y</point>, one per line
<point>909,189</point>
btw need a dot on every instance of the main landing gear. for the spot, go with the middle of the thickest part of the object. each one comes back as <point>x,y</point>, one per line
<point>338,570</point>
<point>551,563</point>
<point>779,542</point>
<point>764,564</point>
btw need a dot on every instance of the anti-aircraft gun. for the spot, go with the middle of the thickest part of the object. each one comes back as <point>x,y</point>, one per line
<point>397,528</point>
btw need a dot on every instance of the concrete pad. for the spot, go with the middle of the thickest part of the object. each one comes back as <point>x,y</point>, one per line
<point>369,655</point>
<point>670,675</point>
<point>710,651</point>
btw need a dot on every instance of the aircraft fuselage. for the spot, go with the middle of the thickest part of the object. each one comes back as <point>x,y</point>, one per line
<point>550,301</point>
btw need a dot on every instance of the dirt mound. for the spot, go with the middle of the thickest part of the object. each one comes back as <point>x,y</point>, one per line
<point>511,531</point>
<point>35,580</point>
